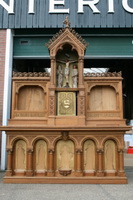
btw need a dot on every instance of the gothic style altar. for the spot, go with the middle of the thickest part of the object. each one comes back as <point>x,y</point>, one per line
<point>66,126</point>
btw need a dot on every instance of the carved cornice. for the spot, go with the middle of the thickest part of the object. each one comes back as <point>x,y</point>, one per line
<point>108,74</point>
<point>31,74</point>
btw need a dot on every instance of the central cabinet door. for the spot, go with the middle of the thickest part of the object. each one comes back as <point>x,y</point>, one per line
<point>66,103</point>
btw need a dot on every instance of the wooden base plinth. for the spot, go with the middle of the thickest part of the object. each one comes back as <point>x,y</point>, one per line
<point>66,180</point>
<point>9,173</point>
<point>29,173</point>
<point>89,173</point>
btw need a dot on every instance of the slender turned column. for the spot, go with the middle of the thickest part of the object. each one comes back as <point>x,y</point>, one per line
<point>100,162</point>
<point>9,162</point>
<point>29,171</point>
<point>51,162</point>
<point>78,160</point>
<point>53,82</point>
<point>121,162</point>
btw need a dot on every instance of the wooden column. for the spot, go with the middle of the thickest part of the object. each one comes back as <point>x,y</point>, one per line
<point>100,162</point>
<point>80,71</point>
<point>51,162</point>
<point>121,162</point>
<point>29,171</point>
<point>9,162</point>
<point>78,162</point>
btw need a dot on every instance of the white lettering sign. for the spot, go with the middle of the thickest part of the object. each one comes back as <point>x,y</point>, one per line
<point>52,9</point>
<point>126,6</point>
<point>110,6</point>
<point>53,6</point>
<point>31,6</point>
<point>10,7</point>
<point>91,4</point>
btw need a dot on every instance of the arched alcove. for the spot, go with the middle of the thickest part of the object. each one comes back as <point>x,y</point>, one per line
<point>67,67</point>
<point>40,156</point>
<point>89,156</point>
<point>110,155</point>
<point>102,98</point>
<point>65,155</point>
<point>20,156</point>
<point>31,98</point>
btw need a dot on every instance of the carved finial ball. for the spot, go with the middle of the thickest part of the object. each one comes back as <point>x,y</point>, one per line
<point>67,22</point>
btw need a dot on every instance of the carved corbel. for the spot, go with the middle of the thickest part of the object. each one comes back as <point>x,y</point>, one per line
<point>65,135</point>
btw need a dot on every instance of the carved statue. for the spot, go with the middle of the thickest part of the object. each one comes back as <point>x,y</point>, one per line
<point>110,155</point>
<point>65,157</point>
<point>67,69</point>
<point>60,76</point>
<point>75,77</point>
<point>89,156</point>
<point>20,156</point>
<point>41,156</point>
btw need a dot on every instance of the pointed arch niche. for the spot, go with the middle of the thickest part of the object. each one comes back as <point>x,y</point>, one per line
<point>67,50</point>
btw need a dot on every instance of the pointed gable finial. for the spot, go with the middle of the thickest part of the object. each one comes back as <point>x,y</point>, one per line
<point>67,22</point>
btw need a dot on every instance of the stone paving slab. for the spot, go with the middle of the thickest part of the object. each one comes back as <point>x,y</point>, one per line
<point>67,191</point>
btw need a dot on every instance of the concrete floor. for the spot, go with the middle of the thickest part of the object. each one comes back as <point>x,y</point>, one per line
<point>69,191</point>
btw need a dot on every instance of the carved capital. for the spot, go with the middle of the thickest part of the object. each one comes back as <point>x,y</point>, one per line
<point>29,150</point>
<point>100,151</point>
<point>121,151</point>
<point>81,58</point>
<point>51,151</point>
<point>78,151</point>
<point>9,151</point>
<point>52,58</point>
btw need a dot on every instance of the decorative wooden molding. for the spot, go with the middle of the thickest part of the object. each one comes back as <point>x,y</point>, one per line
<point>108,74</point>
<point>31,74</point>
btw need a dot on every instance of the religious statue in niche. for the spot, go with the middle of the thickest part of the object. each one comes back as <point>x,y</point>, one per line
<point>75,77</point>
<point>60,76</point>
<point>67,74</point>
<point>89,156</point>
<point>110,163</point>
<point>41,155</point>
<point>65,158</point>
<point>65,155</point>
<point>20,155</point>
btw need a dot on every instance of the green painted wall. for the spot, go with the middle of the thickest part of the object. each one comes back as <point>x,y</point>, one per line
<point>98,46</point>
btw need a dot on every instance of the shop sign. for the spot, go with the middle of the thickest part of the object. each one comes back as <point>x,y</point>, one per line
<point>53,6</point>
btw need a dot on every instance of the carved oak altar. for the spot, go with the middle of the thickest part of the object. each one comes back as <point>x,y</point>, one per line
<point>66,127</point>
